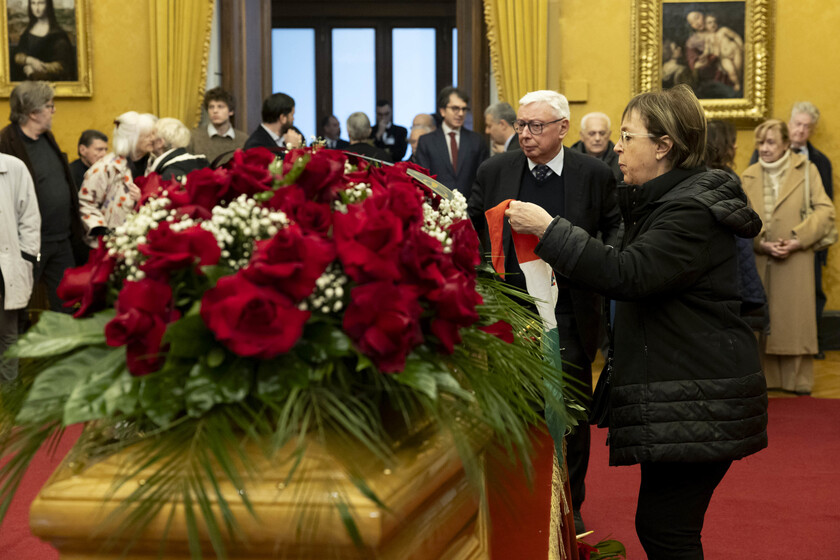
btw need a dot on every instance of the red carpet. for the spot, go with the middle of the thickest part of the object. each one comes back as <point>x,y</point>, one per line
<point>781,503</point>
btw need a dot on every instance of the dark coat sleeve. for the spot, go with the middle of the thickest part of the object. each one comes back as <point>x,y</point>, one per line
<point>669,256</point>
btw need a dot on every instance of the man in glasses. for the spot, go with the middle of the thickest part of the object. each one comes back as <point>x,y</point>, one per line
<point>577,187</point>
<point>595,141</point>
<point>452,152</point>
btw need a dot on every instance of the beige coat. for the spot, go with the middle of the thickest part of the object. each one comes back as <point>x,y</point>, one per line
<point>789,283</point>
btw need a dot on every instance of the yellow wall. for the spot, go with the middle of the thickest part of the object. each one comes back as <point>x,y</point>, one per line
<point>121,67</point>
<point>590,48</point>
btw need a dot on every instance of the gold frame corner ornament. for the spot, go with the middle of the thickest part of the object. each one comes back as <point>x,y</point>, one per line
<point>83,86</point>
<point>755,105</point>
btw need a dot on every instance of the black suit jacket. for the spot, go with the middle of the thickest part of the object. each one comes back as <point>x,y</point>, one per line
<point>260,137</point>
<point>365,149</point>
<point>400,145</point>
<point>591,204</point>
<point>514,144</point>
<point>433,154</point>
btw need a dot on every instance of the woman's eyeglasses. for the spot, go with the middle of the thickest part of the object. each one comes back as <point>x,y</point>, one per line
<point>624,136</point>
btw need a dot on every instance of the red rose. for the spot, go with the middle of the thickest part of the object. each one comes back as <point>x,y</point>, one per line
<point>250,319</point>
<point>368,242</point>
<point>249,171</point>
<point>323,176</point>
<point>152,185</point>
<point>383,319</point>
<point>169,250</point>
<point>314,217</point>
<point>287,199</point>
<point>403,199</point>
<point>290,261</point>
<point>455,302</point>
<point>466,253</point>
<point>88,284</point>
<point>422,260</point>
<point>144,308</point>
<point>499,329</point>
<point>205,188</point>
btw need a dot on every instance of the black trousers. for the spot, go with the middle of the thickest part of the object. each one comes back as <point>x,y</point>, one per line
<point>673,499</point>
<point>56,257</point>
<point>577,364</point>
<point>819,294</point>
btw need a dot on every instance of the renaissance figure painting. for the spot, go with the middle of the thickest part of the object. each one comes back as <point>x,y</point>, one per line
<point>723,49</point>
<point>47,40</point>
<point>703,46</point>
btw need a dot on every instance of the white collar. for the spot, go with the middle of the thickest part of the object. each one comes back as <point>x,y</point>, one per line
<point>447,129</point>
<point>212,131</point>
<point>556,164</point>
<point>274,137</point>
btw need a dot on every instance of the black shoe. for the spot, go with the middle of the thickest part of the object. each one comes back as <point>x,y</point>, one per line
<point>819,355</point>
<point>579,526</point>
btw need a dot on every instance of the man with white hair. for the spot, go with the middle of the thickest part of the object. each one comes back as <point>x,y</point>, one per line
<point>578,188</point>
<point>595,141</point>
<point>803,120</point>
<point>172,160</point>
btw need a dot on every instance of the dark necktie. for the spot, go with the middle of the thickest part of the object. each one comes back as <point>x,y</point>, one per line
<point>453,146</point>
<point>541,172</point>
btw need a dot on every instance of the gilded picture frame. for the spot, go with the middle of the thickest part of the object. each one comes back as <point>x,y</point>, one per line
<point>46,40</point>
<point>723,49</point>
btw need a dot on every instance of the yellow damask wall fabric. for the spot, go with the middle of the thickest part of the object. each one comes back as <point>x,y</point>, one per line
<point>518,37</point>
<point>180,36</point>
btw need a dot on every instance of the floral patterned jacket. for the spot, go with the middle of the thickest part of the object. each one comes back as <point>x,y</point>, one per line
<point>104,199</point>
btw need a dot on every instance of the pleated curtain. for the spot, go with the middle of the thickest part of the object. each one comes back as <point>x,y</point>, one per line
<point>518,35</point>
<point>180,39</point>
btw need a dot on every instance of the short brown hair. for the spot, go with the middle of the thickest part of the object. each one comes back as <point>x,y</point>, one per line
<point>219,94</point>
<point>677,114</point>
<point>772,124</point>
<point>720,144</point>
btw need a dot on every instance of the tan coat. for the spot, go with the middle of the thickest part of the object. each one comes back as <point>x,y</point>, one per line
<point>789,283</point>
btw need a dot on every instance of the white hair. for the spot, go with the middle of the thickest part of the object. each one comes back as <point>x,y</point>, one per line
<point>358,126</point>
<point>556,101</point>
<point>173,133</point>
<point>588,116</point>
<point>127,130</point>
<point>808,108</point>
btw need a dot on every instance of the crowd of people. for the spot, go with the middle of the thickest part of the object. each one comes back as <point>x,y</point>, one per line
<point>713,279</point>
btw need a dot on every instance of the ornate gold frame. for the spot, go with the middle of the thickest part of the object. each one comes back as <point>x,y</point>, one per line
<point>83,87</point>
<point>755,105</point>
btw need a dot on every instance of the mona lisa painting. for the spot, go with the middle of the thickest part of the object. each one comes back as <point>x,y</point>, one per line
<point>47,40</point>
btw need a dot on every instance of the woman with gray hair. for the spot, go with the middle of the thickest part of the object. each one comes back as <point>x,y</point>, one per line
<point>687,393</point>
<point>108,192</point>
<point>358,130</point>
<point>171,157</point>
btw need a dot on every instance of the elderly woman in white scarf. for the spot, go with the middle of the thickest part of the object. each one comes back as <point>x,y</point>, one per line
<point>786,190</point>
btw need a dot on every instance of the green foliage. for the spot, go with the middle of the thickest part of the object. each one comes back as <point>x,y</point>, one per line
<point>187,425</point>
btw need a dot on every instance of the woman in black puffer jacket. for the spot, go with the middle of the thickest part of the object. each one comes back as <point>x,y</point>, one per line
<point>688,393</point>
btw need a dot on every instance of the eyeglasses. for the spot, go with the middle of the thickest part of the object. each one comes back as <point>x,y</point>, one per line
<point>625,136</point>
<point>455,109</point>
<point>50,106</point>
<point>535,127</point>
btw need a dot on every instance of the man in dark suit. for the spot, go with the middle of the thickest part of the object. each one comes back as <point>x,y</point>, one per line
<point>580,188</point>
<point>93,145</point>
<point>452,152</point>
<point>277,128</point>
<point>803,120</point>
<point>331,132</point>
<point>498,119</point>
<point>386,135</point>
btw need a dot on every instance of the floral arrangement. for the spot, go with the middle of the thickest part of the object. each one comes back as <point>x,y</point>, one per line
<point>267,301</point>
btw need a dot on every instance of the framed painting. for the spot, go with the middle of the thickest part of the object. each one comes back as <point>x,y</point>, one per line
<point>46,40</point>
<point>723,49</point>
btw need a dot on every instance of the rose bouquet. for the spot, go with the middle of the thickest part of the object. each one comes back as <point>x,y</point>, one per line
<point>267,302</point>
